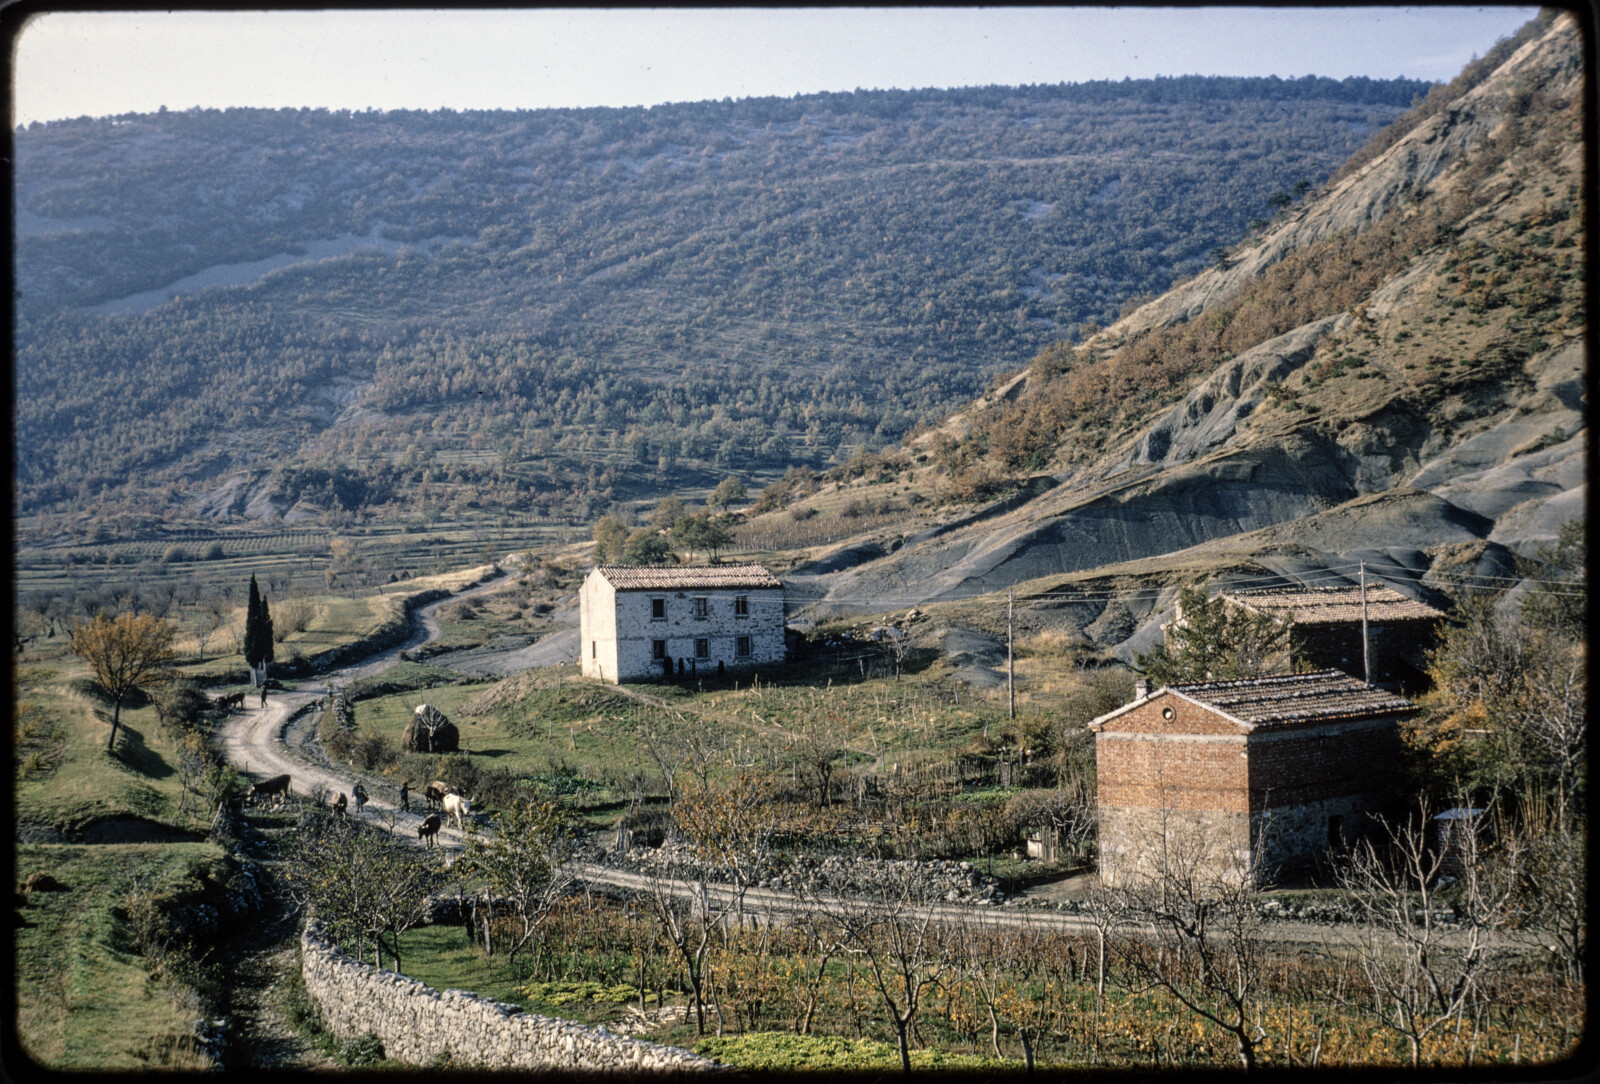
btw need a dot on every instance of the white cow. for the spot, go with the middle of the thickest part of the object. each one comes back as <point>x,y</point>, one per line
<point>456,808</point>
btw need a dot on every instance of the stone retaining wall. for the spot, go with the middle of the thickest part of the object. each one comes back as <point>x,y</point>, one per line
<point>417,1023</point>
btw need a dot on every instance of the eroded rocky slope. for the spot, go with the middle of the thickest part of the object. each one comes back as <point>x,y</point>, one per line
<point>1444,414</point>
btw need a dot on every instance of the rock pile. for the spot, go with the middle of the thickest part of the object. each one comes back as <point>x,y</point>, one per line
<point>955,882</point>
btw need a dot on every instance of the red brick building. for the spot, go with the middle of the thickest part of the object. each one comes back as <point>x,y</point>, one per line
<point>1325,629</point>
<point>1234,778</point>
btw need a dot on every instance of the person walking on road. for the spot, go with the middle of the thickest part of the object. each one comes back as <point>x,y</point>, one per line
<point>405,796</point>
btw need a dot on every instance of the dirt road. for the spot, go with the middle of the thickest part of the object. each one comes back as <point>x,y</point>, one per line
<point>279,738</point>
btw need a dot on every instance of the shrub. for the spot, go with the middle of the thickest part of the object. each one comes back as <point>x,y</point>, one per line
<point>363,1050</point>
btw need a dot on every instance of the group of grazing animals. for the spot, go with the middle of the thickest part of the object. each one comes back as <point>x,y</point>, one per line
<point>438,794</point>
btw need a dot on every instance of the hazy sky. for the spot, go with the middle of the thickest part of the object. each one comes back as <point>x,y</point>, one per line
<point>99,64</point>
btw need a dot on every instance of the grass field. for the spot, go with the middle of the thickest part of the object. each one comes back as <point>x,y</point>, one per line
<point>86,999</point>
<point>84,782</point>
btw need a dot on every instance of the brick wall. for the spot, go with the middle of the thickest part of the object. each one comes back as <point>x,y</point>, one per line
<point>1193,787</point>
<point>1396,647</point>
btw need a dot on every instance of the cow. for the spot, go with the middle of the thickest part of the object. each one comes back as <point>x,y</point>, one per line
<point>360,795</point>
<point>428,830</point>
<point>278,785</point>
<point>229,702</point>
<point>434,793</point>
<point>457,808</point>
<point>340,804</point>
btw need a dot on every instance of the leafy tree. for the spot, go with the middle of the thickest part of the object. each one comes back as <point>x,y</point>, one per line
<point>729,491</point>
<point>1557,599</point>
<point>668,511</point>
<point>257,628</point>
<point>125,652</point>
<point>647,546</point>
<point>610,538</point>
<point>702,531</point>
<point>1212,641</point>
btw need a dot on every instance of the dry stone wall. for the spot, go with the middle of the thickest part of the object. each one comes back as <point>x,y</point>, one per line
<point>418,1024</point>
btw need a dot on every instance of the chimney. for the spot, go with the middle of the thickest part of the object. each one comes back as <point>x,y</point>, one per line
<point>1141,688</point>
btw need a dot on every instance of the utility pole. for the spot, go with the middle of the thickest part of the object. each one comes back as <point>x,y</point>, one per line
<point>1366,652</point>
<point>1011,670</point>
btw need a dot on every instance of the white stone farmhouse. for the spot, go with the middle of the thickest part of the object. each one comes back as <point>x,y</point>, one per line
<point>634,621</point>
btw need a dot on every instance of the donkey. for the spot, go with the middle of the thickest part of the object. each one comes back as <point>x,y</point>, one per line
<point>428,830</point>
<point>277,785</point>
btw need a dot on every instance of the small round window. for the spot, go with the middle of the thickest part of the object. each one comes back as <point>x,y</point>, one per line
<point>1167,713</point>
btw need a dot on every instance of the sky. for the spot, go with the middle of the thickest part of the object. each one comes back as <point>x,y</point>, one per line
<point>71,64</point>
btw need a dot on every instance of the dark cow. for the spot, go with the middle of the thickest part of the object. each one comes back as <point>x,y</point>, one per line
<point>428,830</point>
<point>434,793</point>
<point>360,795</point>
<point>277,785</point>
<point>340,804</point>
<point>231,701</point>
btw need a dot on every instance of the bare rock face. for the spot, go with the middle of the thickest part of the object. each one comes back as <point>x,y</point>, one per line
<point>430,731</point>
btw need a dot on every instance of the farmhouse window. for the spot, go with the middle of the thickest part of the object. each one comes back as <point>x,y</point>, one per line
<point>658,609</point>
<point>741,605</point>
<point>658,649</point>
<point>702,609</point>
<point>743,648</point>
<point>702,648</point>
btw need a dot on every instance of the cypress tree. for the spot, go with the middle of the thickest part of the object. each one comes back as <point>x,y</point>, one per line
<point>257,628</point>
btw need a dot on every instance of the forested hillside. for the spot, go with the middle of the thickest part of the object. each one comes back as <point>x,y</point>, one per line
<point>550,310</point>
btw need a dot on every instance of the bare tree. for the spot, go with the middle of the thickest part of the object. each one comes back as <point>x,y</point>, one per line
<point>525,863</point>
<point>730,826</point>
<point>1422,962</point>
<point>1203,943</point>
<point>903,950</point>
<point>687,922</point>
<point>363,884</point>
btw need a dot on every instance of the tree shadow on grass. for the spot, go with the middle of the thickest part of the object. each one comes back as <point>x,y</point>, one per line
<point>491,752</point>
<point>139,757</point>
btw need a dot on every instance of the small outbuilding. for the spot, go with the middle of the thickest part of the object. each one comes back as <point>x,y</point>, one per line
<point>636,623</point>
<point>1256,778</point>
<point>1325,629</point>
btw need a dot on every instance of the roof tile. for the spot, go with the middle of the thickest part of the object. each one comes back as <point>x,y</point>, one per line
<point>675,578</point>
<point>1287,699</point>
<point>1335,605</point>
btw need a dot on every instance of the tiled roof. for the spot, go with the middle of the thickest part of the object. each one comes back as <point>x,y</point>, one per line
<point>1335,605</point>
<point>673,578</point>
<point>1284,699</point>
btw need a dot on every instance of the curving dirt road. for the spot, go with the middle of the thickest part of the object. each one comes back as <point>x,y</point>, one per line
<point>279,739</point>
